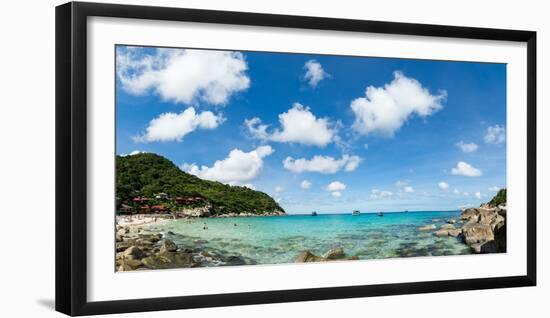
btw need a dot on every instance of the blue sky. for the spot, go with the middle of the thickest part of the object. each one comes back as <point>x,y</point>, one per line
<point>325,133</point>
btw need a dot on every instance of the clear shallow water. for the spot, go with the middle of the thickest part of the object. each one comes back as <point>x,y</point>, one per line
<point>279,239</point>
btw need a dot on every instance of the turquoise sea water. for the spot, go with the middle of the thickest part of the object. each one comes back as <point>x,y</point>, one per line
<point>279,239</point>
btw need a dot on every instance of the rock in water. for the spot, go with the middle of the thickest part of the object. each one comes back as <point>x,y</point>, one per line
<point>307,256</point>
<point>485,247</point>
<point>447,227</point>
<point>168,246</point>
<point>133,253</point>
<point>234,260</point>
<point>427,227</point>
<point>477,233</point>
<point>335,253</point>
<point>169,260</point>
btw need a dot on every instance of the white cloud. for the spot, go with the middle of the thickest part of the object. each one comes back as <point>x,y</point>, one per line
<point>366,146</point>
<point>377,194</point>
<point>314,72</point>
<point>478,195</point>
<point>135,152</point>
<point>384,110</point>
<point>408,189</point>
<point>494,189</point>
<point>256,128</point>
<point>305,184</point>
<point>298,125</point>
<point>238,167</point>
<point>183,76</point>
<point>467,147</point>
<point>279,189</point>
<point>455,191</point>
<point>400,183</point>
<point>173,127</point>
<point>465,194</point>
<point>443,185</point>
<point>322,164</point>
<point>465,169</point>
<point>495,134</point>
<point>336,186</point>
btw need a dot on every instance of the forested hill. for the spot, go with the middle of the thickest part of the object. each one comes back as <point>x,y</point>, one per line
<point>147,174</point>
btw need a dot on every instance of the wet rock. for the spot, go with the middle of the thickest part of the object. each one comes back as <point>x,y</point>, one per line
<point>168,246</point>
<point>234,260</point>
<point>129,264</point>
<point>447,227</point>
<point>124,268</point>
<point>451,221</point>
<point>413,252</point>
<point>427,227</point>
<point>443,232</point>
<point>477,233</point>
<point>448,230</point>
<point>335,253</point>
<point>144,242</point>
<point>153,238</point>
<point>169,260</point>
<point>485,247</point>
<point>132,253</point>
<point>307,256</point>
<point>122,246</point>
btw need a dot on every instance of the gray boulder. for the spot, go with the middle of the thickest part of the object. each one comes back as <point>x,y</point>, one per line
<point>485,247</point>
<point>477,233</point>
<point>133,253</point>
<point>335,253</point>
<point>307,256</point>
<point>168,246</point>
<point>427,227</point>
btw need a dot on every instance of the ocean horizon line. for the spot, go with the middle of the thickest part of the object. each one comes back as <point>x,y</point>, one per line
<point>372,212</point>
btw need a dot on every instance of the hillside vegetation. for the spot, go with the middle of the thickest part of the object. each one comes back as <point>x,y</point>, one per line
<point>499,198</point>
<point>147,174</point>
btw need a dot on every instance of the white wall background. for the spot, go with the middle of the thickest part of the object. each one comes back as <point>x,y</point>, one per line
<point>27,157</point>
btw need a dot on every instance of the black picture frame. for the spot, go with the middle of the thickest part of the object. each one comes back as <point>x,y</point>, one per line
<point>71,157</point>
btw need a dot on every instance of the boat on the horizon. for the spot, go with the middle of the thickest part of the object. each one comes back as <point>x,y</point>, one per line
<point>380,214</point>
<point>356,213</point>
<point>314,213</point>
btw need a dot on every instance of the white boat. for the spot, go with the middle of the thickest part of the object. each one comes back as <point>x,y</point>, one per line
<point>356,213</point>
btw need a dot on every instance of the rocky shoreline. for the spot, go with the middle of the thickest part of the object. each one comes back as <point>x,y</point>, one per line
<point>138,250</point>
<point>140,246</point>
<point>483,229</point>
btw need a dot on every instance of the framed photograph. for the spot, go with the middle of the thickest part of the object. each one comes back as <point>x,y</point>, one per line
<point>208,158</point>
